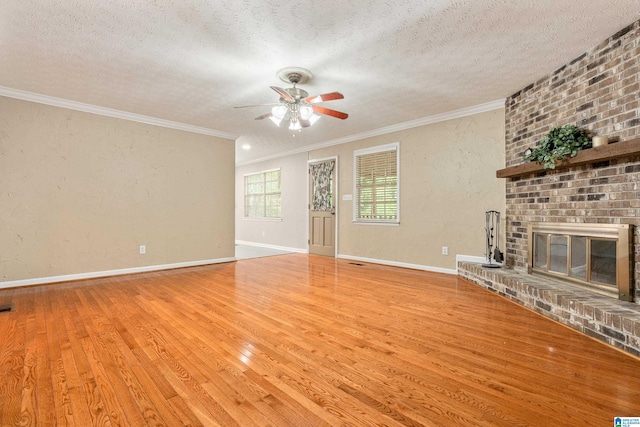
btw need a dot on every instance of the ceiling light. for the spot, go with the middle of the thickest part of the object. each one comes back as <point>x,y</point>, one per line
<point>275,120</point>
<point>277,114</point>
<point>295,125</point>
<point>305,112</point>
<point>246,147</point>
<point>295,104</point>
<point>314,118</point>
<point>279,111</point>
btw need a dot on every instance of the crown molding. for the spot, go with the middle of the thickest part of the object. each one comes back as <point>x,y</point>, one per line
<point>102,111</point>
<point>469,111</point>
<point>302,149</point>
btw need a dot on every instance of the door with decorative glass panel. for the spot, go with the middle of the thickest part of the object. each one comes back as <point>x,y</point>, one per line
<point>322,211</point>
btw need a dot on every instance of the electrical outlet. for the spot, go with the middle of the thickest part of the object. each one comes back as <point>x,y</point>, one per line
<point>143,249</point>
<point>445,250</point>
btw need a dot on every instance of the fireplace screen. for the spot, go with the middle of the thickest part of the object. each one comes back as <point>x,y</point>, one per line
<point>593,255</point>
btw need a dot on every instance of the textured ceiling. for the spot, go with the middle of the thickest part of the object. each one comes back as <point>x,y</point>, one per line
<point>192,61</point>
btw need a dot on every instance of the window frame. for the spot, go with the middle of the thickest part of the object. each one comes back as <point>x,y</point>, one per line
<point>264,195</point>
<point>394,146</point>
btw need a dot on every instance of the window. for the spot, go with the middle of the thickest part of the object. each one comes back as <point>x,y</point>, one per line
<point>376,184</point>
<point>262,198</point>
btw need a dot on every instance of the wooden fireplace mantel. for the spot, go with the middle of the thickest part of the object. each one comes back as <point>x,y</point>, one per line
<point>590,155</point>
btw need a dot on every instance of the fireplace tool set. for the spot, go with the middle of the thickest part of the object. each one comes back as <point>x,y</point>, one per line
<point>493,240</point>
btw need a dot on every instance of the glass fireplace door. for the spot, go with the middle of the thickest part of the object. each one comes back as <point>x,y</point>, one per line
<point>595,255</point>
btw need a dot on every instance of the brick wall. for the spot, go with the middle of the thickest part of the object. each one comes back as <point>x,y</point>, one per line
<point>599,91</point>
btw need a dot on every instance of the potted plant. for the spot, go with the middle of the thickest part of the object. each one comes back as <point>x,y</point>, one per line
<point>558,144</point>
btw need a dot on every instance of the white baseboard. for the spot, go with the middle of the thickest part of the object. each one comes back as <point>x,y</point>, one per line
<point>96,274</point>
<point>279,248</point>
<point>469,258</point>
<point>399,264</point>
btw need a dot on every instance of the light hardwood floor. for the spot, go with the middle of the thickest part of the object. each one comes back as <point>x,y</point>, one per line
<point>299,340</point>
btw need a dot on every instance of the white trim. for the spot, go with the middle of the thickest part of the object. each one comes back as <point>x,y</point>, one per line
<point>388,223</point>
<point>399,264</point>
<point>470,258</point>
<point>103,111</point>
<point>377,149</point>
<point>463,112</point>
<point>262,172</point>
<point>107,273</point>
<point>279,248</point>
<point>321,160</point>
<point>336,205</point>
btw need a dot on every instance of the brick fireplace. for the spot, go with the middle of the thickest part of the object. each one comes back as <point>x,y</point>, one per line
<point>600,91</point>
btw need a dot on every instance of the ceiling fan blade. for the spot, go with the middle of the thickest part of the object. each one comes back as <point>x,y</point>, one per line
<point>329,112</point>
<point>264,116</point>
<point>283,93</point>
<point>324,97</point>
<point>256,105</point>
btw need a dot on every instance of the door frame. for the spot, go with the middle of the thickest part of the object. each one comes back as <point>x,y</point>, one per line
<point>335,199</point>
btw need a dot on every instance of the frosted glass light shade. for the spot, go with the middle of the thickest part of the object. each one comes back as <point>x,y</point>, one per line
<point>306,112</point>
<point>279,111</point>
<point>275,120</point>
<point>314,118</point>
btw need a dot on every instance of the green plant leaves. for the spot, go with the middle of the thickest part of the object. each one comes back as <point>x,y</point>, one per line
<point>558,144</point>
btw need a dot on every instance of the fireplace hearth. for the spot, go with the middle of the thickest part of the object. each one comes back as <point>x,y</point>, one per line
<point>594,256</point>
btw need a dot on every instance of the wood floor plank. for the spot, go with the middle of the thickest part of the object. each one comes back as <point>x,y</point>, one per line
<point>13,364</point>
<point>80,395</point>
<point>298,340</point>
<point>163,344</point>
<point>126,368</point>
<point>28,406</point>
<point>46,412</point>
<point>257,321</point>
<point>115,372</point>
<point>60,391</point>
<point>8,344</point>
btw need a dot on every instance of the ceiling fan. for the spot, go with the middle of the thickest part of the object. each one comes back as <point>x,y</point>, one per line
<point>295,104</point>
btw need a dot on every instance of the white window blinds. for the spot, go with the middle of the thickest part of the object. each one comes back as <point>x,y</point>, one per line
<point>376,184</point>
<point>262,195</point>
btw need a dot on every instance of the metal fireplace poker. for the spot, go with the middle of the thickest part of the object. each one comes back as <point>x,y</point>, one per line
<point>492,229</point>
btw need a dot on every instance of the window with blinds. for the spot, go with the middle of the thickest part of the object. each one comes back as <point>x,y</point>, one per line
<point>262,195</point>
<point>376,184</point>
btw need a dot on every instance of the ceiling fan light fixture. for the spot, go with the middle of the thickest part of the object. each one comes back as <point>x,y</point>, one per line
<point>306,112</point>
<point>295,104</point>
<point>275,120</point>
<point>295,125</point>
<point>313,118</point>
<point>279,111</point>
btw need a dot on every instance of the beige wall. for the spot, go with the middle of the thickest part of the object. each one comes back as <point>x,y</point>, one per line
<point>447,183</point>
<point>290,232</point>
<point>80,192</point>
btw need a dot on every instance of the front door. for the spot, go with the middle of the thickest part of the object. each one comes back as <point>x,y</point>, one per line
<point>322,212</point>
